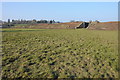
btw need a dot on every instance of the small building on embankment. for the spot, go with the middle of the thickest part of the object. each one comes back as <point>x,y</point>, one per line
<point>82,25</point>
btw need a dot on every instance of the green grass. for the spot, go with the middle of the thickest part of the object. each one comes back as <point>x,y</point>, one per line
<point>20,30</point>
<point>53,53</point>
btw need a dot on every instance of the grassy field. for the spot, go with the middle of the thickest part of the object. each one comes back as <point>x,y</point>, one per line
<point>52,53</point>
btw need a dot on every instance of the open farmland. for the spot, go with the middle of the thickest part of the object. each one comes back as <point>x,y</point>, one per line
<point>45,53</point>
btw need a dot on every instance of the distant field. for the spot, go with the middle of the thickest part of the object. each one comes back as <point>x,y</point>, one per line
<point>70,25</point>
<point>54,53</point>
<point>67,25</point>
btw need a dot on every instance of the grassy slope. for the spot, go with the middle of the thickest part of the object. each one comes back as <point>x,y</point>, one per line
<point>69,25</point>
<point>60,53</point>
<point>104,26</point>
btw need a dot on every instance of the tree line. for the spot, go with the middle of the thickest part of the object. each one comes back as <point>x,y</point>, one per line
<point>13,22</point>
